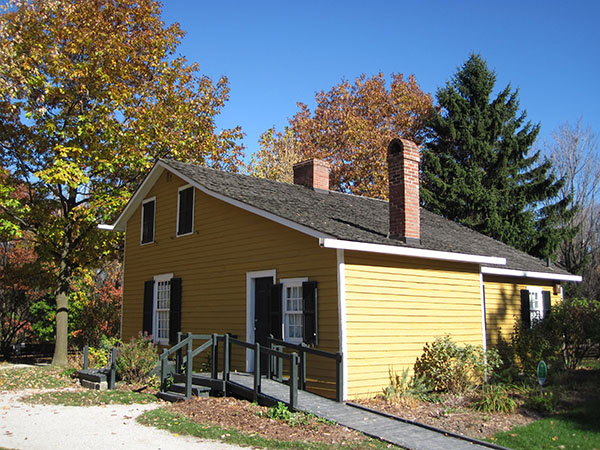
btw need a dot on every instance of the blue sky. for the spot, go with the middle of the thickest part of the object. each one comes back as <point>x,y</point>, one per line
<point>277,53</point>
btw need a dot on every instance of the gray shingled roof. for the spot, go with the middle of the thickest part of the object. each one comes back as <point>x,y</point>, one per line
<point>354,218</point>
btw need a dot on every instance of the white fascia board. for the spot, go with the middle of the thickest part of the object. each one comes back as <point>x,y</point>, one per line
<point>409,251</point>
<point>138,197</point>
<point>528,274</point>
<point>104,226</point>
<point>252,209</point>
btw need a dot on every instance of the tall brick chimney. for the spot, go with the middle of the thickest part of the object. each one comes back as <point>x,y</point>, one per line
<point>403,169</point>
<point>313,173</point>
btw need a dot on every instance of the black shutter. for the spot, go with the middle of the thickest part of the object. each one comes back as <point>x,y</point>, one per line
<point>275,320</point>
<point>525,312</point>
<point>186,203</point>
<point>309,311</point>
<point>546,298</point>
<point>175,310</point>
<point>148,306</point>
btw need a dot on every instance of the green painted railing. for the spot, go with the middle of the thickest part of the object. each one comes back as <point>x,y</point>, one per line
<point>303,350</point>
<point>275,358</point>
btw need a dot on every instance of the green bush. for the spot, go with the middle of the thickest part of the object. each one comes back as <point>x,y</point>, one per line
<point>494,398</point>
<point>544,403</point>
<point>534,344</point>
<point>136,359</point>
<point>403,386</point>
<point>446,367</point>
<point>576,322</point>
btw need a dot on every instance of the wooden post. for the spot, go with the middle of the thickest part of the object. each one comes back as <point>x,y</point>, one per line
<point>178,358</point>
<point>226,349</point>
<point>215,357</point>
<point>302,384</point>
<point>280,365</point>
<point>113,368</point>
<point>188,368</point>
<point>256,371</point>
<point>294,382</point>
<point>86,355</point>
<point>163,370</point>
<point>339,378</point>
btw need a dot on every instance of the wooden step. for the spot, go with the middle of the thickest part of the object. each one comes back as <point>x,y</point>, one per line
<point>201,380</point>
<point>171,396</point>
<point>198,391</point>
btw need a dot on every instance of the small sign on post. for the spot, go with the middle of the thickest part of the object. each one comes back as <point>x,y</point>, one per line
<point>542,374</point>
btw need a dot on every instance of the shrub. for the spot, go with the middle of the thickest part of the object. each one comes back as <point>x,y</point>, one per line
<point>136,359</point>
<point>542,403</point>
<point>576,322</point>
<point>534,344</point>
<point>404,387</point>
<point>446,367</point>
<point>494,398</point>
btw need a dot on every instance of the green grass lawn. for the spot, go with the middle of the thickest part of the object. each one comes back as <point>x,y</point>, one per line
<point>90,398</point>
<point>575,429</point>
<point>34,377</point>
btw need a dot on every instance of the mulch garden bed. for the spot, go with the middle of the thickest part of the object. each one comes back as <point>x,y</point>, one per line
<point>251,418</point>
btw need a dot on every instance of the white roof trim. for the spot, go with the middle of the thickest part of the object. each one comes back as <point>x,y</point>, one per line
<point>528,274</point>
<point>138,197</point>
<point>103,226</point>
<point>153,176</point>
<point>409,251</point>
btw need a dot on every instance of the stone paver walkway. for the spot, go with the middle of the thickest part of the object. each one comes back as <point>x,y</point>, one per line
<point>403,434</point>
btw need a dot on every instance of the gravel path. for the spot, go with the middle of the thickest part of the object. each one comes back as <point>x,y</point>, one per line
<point>48,427</point>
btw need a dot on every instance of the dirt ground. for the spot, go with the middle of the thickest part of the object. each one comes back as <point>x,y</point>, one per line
<point>453,415</point>
<point>250,418</point>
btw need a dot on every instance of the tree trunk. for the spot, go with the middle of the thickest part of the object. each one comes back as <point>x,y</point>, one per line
<point>62,312</point>
<point>62,321</point>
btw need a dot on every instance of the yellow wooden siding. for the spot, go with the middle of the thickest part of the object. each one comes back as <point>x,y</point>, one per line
<point>394,305</point>
<point>503,303</point>
<point>213,261</point>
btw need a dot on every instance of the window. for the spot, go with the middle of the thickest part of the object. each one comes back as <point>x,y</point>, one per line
<point>148,209</point>
<point>185,211</point>
<point>162,308</point>
<point>292,311</point>
<point>162,302</point>
<point>536,304</point>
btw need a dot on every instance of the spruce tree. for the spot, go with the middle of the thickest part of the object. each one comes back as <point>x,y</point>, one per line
<point>477,169</point>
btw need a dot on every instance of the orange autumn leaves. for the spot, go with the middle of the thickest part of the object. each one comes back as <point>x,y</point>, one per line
<point>350,128</point>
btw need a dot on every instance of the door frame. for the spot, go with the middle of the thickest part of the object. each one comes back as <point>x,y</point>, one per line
<point>250,302</point>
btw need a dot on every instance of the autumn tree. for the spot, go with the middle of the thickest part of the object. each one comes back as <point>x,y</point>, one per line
<point>91,94</point>
<point>351,127</point>
<point>573,151</point>
<point>478,169</point>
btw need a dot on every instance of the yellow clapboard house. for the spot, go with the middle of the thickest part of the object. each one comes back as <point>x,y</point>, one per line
<point>208,251</point>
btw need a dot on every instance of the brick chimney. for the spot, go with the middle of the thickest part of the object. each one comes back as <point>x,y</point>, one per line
<point>403,170</point>
<point>313,173</point>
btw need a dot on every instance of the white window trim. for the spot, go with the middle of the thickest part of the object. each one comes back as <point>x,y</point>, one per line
<point>540,291</point>
<point>183,188</point>
<point>148,200</point>
<point>289,282</point>
<point>157,279</point>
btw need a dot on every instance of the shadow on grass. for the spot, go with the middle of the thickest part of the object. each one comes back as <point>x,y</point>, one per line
<point>584,417</point>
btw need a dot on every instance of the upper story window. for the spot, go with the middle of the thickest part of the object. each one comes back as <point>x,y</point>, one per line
<point>185,210</point>
<point>148,213</point>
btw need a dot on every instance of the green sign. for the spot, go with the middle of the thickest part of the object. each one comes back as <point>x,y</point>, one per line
<point>542,372</point>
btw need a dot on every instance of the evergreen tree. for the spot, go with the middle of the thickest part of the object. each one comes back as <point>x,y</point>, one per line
<point>477,169</point>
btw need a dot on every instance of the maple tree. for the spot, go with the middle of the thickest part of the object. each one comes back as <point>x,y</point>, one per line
<point>477,169</point>
<point>92,93</point>
<point>351,127</point>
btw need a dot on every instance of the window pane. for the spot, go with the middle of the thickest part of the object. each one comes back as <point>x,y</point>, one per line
<point>163,301</point>
<point>186,206</point>
<point>293,313</point>
<point>148,222</point>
